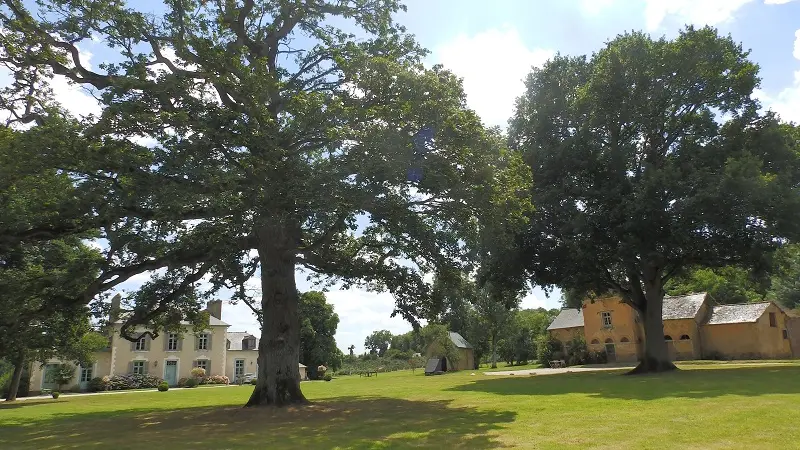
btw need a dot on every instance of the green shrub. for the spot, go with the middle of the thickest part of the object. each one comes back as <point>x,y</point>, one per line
<point>55,394</point>
<point>64,374</point>
<point>578,352</point>
<point>182,382</point>
<point>597,357</point>
<point>133,381</point>
<point>327,377</point>
<point>163,387</point>
<point>254,381</point>
<point>192,382</point>
<point>24,382</point>
<point>547,349</point>
<point>98,384</point>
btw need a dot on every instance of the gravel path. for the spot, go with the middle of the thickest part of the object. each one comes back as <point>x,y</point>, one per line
<point>556,371</point>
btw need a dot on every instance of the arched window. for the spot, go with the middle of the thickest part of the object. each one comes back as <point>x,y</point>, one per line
<point>609,341</point>
<point>667,338</point>
<point>595,341</point>
<point>624,340</point>
<point>685,337</point>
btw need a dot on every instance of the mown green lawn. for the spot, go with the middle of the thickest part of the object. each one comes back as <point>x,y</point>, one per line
<point>703,406</point>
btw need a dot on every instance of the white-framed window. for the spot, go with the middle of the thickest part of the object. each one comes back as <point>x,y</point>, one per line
<point>202,341</point>
<point>86,374</point>
<point>202,363</point>
<point>238,368</point>
<point>172,341</point>
<point>141,344</point>
<point>606,318</point>
<point>139,367</point>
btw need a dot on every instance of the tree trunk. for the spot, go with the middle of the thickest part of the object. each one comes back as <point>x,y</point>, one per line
<point>16,378</point>
<point>494,352</point>
<point>655,358</point>
<point>279,350</point>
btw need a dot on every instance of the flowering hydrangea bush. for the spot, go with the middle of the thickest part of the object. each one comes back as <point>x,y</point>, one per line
<point>216,379</point>
<point>133,381</point>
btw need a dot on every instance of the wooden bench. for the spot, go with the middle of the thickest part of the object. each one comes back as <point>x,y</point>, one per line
<point>558,364</point>
<point>368,373</point>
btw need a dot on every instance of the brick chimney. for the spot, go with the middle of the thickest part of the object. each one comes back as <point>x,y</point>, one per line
<point>113,314</point>
<point>214,308</point>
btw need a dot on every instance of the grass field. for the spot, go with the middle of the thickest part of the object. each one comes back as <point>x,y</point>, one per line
<point>703,406</point>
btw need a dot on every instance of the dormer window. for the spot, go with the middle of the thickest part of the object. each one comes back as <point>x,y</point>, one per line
<point>249,343</point>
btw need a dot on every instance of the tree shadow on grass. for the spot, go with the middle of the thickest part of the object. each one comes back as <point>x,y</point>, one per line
<point>23,403</point>
<point>347,422</point>
<point>694,383</point>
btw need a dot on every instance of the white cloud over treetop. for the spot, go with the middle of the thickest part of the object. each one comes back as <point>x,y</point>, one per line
<point>493,64</point>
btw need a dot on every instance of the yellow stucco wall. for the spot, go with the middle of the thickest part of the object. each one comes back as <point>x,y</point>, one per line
<point>748,340</point>
<point>115,361</point>
<point>682,349</point>
<point>566,334</point>
<point>99,368</point>
<point>157,355</point>
<point>466,360</point>
<point>624,326</point>
<point>250,358</point>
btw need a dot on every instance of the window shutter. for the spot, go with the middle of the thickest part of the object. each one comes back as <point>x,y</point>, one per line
<point>147,340</point>
<point>197,341</point>
<point>208,367</point>
<point>146,366</point>
<point>130,367</point>
<point>208,340</point>
<point>180,343</point>
<point>194,364</point>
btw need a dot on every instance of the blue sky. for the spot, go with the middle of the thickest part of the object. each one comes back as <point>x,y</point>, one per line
<point>493,45</point>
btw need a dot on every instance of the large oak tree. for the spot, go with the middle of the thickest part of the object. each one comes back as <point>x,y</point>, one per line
<point>650,157</point>
<point>276,140</point>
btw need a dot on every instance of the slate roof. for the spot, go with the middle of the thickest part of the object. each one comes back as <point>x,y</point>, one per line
<point>683,307</point>
<point>212,321</point>
<point>567,318</point>
<point>459,340</point>
<point>236,338</point>
<point>743,313</point>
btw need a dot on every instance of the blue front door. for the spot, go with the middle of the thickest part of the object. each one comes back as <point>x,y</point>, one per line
<point>171,373</point>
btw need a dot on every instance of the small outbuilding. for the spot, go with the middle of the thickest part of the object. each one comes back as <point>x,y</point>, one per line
<point>438,362</point>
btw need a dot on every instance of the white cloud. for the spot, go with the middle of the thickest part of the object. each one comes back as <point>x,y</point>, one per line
<point>360,313</point>
<point>796,52</point>
<point>656,12</point>
<point>537,299</point>
<point>787,102</point>
<point>697,12</point>
<point>73,97</point>
<point>493,64</point>
<point>595,7</point>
